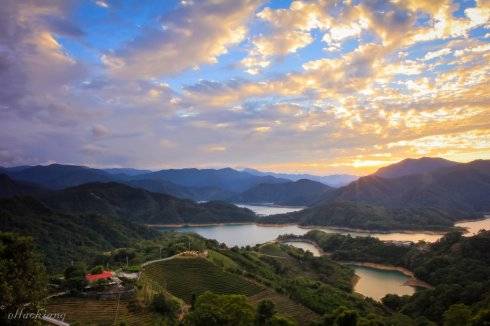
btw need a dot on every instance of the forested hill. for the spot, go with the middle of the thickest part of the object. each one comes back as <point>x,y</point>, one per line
<point>141,206</point>
<point>414,166</point>
<point>64,238</point>
<point>11,188</point>
<point>461,189</point>
<point>299,193</point>
<point>421,201</point>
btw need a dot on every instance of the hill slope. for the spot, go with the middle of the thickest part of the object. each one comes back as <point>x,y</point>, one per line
<point>141,206</point>
<point>463,189</point>
<point>58,176</point>
<point>11,188</point>
<point>299,193</point>
<point>414,166</point>
<point>64,238</point>
<point>422,201</point>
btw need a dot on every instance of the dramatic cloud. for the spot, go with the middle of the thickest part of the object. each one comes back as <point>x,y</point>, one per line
<point>317,86</point>
<point>193,35</point>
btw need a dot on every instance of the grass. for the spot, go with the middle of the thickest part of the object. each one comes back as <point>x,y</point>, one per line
<point>286,306</point>
<point>81,311</point>
<point>184,277</point>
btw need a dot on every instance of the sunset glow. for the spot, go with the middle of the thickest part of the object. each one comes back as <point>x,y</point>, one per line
<point>291,86</point>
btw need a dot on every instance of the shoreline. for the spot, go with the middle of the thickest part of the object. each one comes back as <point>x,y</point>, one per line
<point>413,281</point>
<point>305,227</point>
<point>373,231</point>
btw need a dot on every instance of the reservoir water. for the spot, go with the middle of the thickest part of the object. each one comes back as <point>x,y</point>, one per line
<point>376,283</point>
<point>264,210</point>
<point>252,234</point>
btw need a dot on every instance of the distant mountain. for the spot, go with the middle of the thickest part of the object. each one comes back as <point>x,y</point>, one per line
<point>126,171</point>
<point>64,238</point>
<point>299,193</point>
<point>334,180</point>
<point>414,201</point>
<point>414,166</point>
<point>226,179</point>
<point>141,206</point>
<point>59,176</point>
<point>460,190</point>
<point>170,188</point>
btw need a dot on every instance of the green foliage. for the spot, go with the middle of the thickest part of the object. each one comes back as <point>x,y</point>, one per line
<point>64,238</point>
<point>458,267</point>
<point>23,278</point>
<point>482,318</point>
<point>75,277</point>
<point>218,310</point>
<point>265,311</point>
<point>166,306</point>
<point>359,215</point>
<point>341,317</point>
<point>457,315</point>
<point>97,269</point>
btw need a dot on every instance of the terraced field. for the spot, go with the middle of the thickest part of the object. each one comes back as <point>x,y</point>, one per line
<point>81,311</point>
<point>186,276</point>
<point>286,306</point>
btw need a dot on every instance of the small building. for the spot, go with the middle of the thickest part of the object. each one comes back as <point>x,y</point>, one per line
<point>105,275</point>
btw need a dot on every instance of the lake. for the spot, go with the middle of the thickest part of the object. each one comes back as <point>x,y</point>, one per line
<point>264,210</point>
<point>372,282</point>
<point>474,226</point>
<point>252,234</point>
<point>376,283</point>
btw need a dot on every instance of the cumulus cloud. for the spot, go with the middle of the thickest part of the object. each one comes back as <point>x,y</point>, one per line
<point>196,33</point>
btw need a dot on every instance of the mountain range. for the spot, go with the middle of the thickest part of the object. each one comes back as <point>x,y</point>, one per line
<point>333,180</point>
<point>413,193</point>
<point>423,196</point>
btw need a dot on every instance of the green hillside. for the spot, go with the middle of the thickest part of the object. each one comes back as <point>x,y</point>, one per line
<point>184,277</point>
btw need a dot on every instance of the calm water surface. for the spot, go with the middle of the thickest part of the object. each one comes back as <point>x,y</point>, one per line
<point>264,210</point>
<point>376,283</point>
<point>252,234</point>
<point>474,226</point>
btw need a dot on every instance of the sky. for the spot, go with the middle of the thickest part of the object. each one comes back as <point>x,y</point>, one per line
<point>291,86</point>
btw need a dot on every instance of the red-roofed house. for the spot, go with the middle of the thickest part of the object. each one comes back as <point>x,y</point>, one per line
<point>95,277</point>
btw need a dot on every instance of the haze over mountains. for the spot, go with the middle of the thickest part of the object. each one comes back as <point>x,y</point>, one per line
<point>414,193</point>
<point>424,196</point>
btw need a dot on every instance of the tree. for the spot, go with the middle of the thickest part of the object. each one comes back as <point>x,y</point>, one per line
<point>482,318</point>
<point>23,277</point>
<point>97,269</point>
<point>341,317</point>
<point>279,320</point>
<point>75,277</point>
<point>166,306</point>
<point>265,311</point>
<point>216,310</point>
<point>457,315</point>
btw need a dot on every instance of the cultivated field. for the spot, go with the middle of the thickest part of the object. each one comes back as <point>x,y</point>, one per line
<point>184,277</point>
<point>80,311</point>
